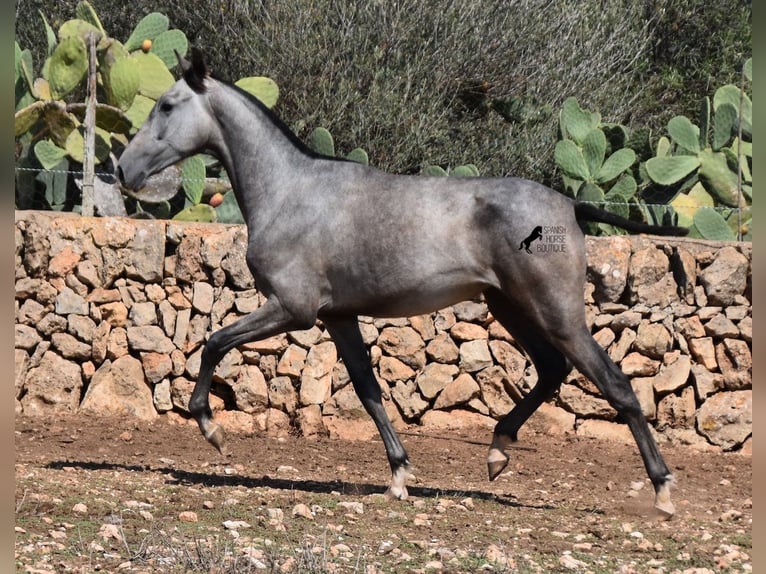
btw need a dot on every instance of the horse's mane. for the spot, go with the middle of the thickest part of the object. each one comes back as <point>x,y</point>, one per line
<point>276,120</point>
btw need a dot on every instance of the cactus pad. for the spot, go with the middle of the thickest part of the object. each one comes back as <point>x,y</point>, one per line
<point>265,89</point>
<point>434,171</point>
<point>59,121</point>
<point>167,44</point>
<point>201,213</point>
<point>148,28</point>
<point>49,154</point>
<point>140,110</point>
<point>193,178</point>
<point>570,159</point>
<point>576,122</point>
<point>322,142</point>
<point>85,11</point>
<point>154,75</point>
<point>718,179</point>
<point>615,164</point>
<point>75,145</point>
<point>68,65</point>
<point>671,169</point>
<point>80,29</point>
<point>685,134</point>
<point>711,225</point>
<point>27,117</point>
<point>359,156</point>
<point>124,80</point>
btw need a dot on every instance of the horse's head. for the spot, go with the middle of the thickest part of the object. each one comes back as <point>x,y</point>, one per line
<point>178,126</point>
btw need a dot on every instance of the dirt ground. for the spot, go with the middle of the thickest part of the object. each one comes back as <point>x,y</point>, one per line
<point>565,503</point>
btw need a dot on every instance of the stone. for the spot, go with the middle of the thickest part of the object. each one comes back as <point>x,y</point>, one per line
<point>690,327</point>
<point>746,329</point>
<point>608,266</point>
<point>471,311</point>
<point>677,411</point>
<point>703,351</point>
<point>149,338</point>
<point>68,302</point>
<point>442,349</point>
<point>53,387</point>
<point>292,361</point>
<point>726,419</point>
<point>236,422</point>
<point>117,344</point>
<point>605,430</point>
<point>31,312</point>
<point>644,389</point>
<point>735,363</point>
<point>459,391</point>
<point>119,388</point>
<point>271,346</point>
<point>181,330</point>
<point>25,337</point>
<point>199,325</point>
<point>604,337</point>
<point>101,296</point>
<point>434,378</point>
<point>637,365</point>
<point>405,344</point>
<point>625,320</point>
<point>161,397</point>
<point>345,404</point>
<point>306,338</point>
<point>309,421</point>
<point>720,327</point>
<point>584,405</point>
<point>392,369</point>
<point>475,356</point>
<point>462,331</point>
<point>156,366</point>
<point>706,383</point>
<point>652,340</point>
<point>251,394</point>
<point>202,298</point>
<point>53,323</point>
<point>20,368</point>
<point>649,279</point>
<point>64,262</point>
<point>673,376</point>
<point>70,348</point>
<point>316,377</point>
<point>510,358</point>
<point>410,403</point>
<point>456,419</point>
<point>282,394</point>
<point>493,385</point>
<point>619,350</point>
<point>116,314</point>
<point>142,314</point>
<point>81,327</point>
<point>424,325</point>
<point>554,420</point>
<point>214,247</point>
<point>726,277</point>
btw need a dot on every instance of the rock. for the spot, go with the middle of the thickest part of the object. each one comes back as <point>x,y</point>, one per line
<point>608,267</point>
<point>494,386</point>
<point>461,390</point>
<point>575,400</point>
<point>625,320</point>
<point>202,298</point>
<point>392,369</point>
<point>462,331</point>
<point>706,383</point>
<point>68,302</point>
<point>475,356</point>
<point>456,419</point>
<point>20,367</point>
<point>25,337</point>
<point>726,418</point>
<point>677,411</point>
<point>236,422</point>
<point>53,323</point>
<point>424,325</point>
<point>282,394</point>
<point>471,311</point>
<point>510,358</point>
<point>690,327</point>
<point>309,421</point>
<point>553,419</point>
<point>31,312</point>
<point>316,377</point>
<point>161,397</point>
<point>142,314</point>
<point>736,364</point>
<point>70,348</point>
<point>649,279</point>
<point>726,277</point>
<point>720,327</point>
<point>53,387</point>
<point>637,365</point>
<point>652,340</point>
<point>605,430</point>
<point>644,389</point>
<point>604,337</point>
<point>619,349</point>
<point>405,344</point>
<point>746,329</point>
<point>703,351</point>
<point>156,366</point>
<point>117,344</point>
<point>410,403</point>
<point>434,378</point>
<point>149,338</point>
<point>119,388</point>
<point>81,327</point>
<point>271,346</point>
<point>251,394</point>
<point>292,361</point>
<point>673,376</point>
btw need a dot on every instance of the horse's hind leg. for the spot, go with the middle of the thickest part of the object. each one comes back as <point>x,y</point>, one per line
<point>551,365</point>
<point>348,340</point>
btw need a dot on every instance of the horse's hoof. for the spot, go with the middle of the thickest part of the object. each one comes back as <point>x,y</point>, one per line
<point>216,438</point>
<point>662,500</point>
<point>497,460</point>
<point>397,493</point>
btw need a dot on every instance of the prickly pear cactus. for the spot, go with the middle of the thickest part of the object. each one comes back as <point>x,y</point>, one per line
<point>265,89</point>
<point>148,28</point>
<point>67,66</point>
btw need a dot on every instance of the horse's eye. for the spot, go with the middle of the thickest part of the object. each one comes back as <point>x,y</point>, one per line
<point>165,107</point>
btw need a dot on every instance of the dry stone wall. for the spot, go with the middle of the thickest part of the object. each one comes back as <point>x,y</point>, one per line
<point>111,316</point>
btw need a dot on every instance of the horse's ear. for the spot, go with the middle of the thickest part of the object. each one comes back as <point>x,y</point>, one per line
<point>194,72</point>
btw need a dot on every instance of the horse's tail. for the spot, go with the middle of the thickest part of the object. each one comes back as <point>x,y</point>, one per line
<point>589,212</point>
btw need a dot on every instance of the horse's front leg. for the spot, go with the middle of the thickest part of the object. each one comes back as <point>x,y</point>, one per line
<point>266,321</point>
<point>348,340</point>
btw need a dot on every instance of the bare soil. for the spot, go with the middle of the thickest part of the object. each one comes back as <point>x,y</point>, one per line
<point>116,495</point>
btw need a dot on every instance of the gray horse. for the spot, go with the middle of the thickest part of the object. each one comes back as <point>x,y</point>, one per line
<point>332,240</point>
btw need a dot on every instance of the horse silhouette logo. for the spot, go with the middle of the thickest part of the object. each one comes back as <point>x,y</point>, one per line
<point>537,233</point>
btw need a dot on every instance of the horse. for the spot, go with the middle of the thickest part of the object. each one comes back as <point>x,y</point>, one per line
<point>331,240</point>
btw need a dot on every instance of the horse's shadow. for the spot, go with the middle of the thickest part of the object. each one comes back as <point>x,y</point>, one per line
<point>189,478</point>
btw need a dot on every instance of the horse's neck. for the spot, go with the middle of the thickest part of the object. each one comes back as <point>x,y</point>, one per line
<point>258,156</point>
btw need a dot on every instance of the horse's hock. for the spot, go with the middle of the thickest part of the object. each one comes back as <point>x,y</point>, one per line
<point>111,316</point>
